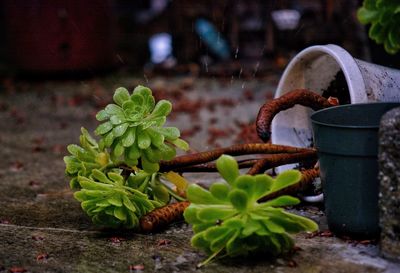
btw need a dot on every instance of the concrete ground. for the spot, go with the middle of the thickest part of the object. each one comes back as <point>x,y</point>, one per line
<point>42,227</point>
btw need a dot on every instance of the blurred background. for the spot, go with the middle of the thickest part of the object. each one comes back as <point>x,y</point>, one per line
<point>74,39</point>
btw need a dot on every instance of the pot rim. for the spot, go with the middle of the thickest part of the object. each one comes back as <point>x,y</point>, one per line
<point>355,105</point>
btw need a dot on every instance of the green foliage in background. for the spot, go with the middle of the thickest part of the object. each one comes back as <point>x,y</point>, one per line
<point>131,135</point>
<point>384,17</point>
<point>228,220</point>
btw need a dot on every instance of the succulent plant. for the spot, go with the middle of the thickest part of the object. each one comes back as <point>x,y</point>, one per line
<point>384,17</point>
<point>228,219</point>
<point>84,158</point>
<point>111,202</point>
<point>133,129</point>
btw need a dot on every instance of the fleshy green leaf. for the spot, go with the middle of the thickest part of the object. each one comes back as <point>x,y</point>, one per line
<point>129,109</point>
<point>102,115</point>
<point>88,137</point>
<point>137,99</point>
<point>234,223</point>
<point>212,214</point>
<point>116,120</point>
<point>128,204</point>
<point>198,195</point>
<point>246,183</point>
<point>220,191</point>
<point>190,215</point>
<point>170,133</point>
<point>228,168</point>
<point>116,178</point>
<point>239,199</point>
<point>74,149</point>
<point>133,152</point>
<point>285,179</point>
<point>129,138</point>
<point>108,139</point>
<point>118,150</point>
<point>115,200</point>
<point>166,152</point>
<point>144,140</point>
<point>149,167</point>
<point>161,193</point>
<point>157,139</point>
<point>262,185</point>
<point>100,176</point>
<point>162,108</point>
<point>119,213</point>
<point>121,95</point>
<point>215,232</point>
<point>103,128</point>
<point>146,93</point>
<point>181,144</point>
<point>120,129</point>
<point>281,201</point>
<point>113,109</point>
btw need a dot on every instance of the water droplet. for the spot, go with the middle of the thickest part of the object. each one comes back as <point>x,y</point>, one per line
<point>256,68</point>
<point>240,72</point>
<point>236,52</point>
<point>120,58</point>
<point>146,79</point>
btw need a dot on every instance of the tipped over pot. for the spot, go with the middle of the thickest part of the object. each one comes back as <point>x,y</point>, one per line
<point>315,68</point>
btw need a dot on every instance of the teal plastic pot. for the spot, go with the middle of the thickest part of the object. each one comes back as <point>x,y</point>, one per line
<point>346,138</point>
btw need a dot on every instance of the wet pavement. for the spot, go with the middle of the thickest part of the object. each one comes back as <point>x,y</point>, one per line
<point>42,227</point>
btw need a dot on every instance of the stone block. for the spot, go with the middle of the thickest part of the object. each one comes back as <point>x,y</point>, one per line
<point>389,176</point>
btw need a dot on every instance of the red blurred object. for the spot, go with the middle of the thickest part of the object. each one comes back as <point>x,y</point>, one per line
<point>60,35</point>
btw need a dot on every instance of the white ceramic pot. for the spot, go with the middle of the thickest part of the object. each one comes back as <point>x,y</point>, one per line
<point>314,68</point>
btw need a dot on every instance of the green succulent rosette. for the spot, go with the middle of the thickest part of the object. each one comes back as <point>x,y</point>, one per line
<point>384,17</point>
<point>84,158</point>
<point>228,219</point>
<point>133,129</point>
<point>110,201</point>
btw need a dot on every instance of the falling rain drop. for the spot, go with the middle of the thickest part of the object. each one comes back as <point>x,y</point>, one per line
<point>236,52</point>
<point>120,59</point>
<point>240,72</point>
<point>256,68</point>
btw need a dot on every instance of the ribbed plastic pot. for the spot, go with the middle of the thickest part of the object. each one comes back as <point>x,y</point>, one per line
<point>346,137</point>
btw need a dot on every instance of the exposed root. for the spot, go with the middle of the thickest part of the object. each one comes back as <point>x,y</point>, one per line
<point>275,160</point>
<point>163,216</point>
<point>299,96</point>
<point>238,149</point>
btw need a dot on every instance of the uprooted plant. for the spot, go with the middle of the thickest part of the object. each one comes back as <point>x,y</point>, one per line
<point>227,219</point>
<point>133,135</point>
<point>130,179</point>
